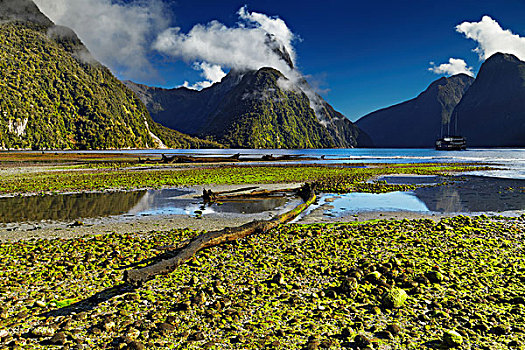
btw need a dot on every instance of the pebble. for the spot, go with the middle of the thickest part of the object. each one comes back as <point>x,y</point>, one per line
<point>58,339</point>
<point>135,345</point>
<point>40,303</point>
<point>362,341</point>
<point>452,338</point>
<point>278,278</point>
<point>394,329</point>
<point>165,327</point>
<point>43,331</point>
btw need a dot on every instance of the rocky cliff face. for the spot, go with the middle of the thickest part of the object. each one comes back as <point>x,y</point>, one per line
<point>417,122</point>
<point>492,112</point>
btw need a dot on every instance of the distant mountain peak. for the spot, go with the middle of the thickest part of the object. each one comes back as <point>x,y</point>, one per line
<point>255,109</point>
<point>416,122</point>
<point>492,112</point>
<point>501,57</point>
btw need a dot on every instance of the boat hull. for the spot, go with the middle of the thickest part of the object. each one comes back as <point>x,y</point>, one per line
<point>451,143</point>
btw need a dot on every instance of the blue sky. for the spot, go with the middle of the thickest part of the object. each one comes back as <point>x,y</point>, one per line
<point>364,55</point>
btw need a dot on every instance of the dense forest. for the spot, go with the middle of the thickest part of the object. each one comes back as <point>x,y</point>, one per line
<point>54,95</point>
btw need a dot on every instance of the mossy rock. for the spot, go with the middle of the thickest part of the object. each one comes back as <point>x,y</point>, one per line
<point>395,298</point>
<point>452,338</point>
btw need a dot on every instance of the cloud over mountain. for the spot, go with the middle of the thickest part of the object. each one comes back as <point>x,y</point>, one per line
<point>492,38</point>
<point>256,41</point>
<point>453,67</point>
<point>211,72</point>
<point>118,34</point>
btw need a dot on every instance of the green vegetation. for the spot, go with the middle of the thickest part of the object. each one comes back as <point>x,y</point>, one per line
<point>261,114</point>
<point>296,287</point>
<point>267,116</point>
<point>330,179</point>
<point>54,95</point>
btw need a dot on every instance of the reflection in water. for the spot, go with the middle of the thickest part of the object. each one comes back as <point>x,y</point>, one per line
<point>412,179</point>
<point>251,207</point>
<point>136,203</point>
<point>67,207</point>
<point>475,194</point>
<point>163,202</point>
<point>359,202</point>
<point>470,194</point>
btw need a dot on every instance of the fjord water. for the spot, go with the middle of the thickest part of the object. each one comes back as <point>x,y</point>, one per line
<point>507,162</point>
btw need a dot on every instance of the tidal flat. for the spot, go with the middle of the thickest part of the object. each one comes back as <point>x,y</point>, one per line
<point>449,282</point>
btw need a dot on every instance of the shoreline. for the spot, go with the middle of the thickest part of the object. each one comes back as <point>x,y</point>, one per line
<point>212,222</point>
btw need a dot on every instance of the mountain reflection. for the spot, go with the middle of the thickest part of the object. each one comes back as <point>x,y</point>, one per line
<point>67,207</point>
<point>252,206</point>
<point>476,194</point>
<point>163,202</point>
<point>136,203</point>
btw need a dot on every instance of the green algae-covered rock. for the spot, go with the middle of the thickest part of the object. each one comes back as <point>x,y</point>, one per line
<point>435,276</point>
<point>452,338</point>
<point>362,341</point>
<point>373,276</point>
<point>395,298</point>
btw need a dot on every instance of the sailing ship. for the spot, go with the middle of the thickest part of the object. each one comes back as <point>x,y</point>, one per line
<point>451,142</point>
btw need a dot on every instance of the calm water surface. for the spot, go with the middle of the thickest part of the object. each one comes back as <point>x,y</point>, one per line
<point>508,163</point>
<point>466,195</point>
<point>70,207</point>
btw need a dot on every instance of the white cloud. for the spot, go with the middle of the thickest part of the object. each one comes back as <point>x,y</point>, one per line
<point>491,38</point>
<point>257,41</point>
<point>118,34</point>
<point>274,26</point>
<point>250,45</point>
<point>213,73</point>
<point>453,67</point>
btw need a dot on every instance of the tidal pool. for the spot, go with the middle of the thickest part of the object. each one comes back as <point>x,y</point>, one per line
<point>70,207</point>
<point>452,195</point>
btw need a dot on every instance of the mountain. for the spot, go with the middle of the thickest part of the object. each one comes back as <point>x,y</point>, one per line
<point>417,122</point>
<point>253,109</point>
<point>54,94</point>
<point>492,112</point>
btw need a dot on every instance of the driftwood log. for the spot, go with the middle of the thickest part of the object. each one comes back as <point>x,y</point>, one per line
<point>214,238</point>
<point>210,196</point>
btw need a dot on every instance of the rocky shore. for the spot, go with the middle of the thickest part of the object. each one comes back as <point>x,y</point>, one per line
<point>406,284</point>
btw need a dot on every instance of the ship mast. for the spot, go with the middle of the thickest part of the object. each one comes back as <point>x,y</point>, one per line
<point>456,126</point>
